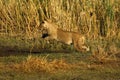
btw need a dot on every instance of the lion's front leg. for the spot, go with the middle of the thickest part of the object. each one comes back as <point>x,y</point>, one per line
<point>48,39</point>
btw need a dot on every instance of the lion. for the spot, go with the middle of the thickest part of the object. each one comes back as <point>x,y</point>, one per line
<point>52,32</point>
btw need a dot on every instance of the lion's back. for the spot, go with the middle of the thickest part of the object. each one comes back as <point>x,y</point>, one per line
<point>64,36</point>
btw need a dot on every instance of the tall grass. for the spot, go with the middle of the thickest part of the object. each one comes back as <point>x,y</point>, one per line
<point>97,19</point>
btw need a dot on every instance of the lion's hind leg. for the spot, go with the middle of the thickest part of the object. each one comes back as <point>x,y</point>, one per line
<point>80,46</point>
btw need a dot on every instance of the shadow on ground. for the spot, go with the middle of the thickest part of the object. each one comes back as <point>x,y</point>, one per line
<point>8,51</point>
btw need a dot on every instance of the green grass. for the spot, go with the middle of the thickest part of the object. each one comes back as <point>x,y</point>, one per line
<point>86,69</point>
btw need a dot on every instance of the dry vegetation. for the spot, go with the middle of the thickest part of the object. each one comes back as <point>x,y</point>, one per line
<point>20,21</point>
<point>37,64</point>
<point>94,18</point>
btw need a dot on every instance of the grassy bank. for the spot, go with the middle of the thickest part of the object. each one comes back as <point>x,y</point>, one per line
<point>57,66</point>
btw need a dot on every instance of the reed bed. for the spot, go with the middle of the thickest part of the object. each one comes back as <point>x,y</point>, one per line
<point>98,18</point>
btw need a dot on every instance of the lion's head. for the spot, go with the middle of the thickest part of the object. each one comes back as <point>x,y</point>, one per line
<point>48,29</point>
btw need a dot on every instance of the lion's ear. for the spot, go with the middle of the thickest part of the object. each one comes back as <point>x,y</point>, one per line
<point>43,21</point>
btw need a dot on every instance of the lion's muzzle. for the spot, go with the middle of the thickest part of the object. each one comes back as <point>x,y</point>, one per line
<point>45,35</point>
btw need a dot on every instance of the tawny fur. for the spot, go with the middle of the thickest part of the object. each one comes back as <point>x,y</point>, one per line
<point>66,37</point>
